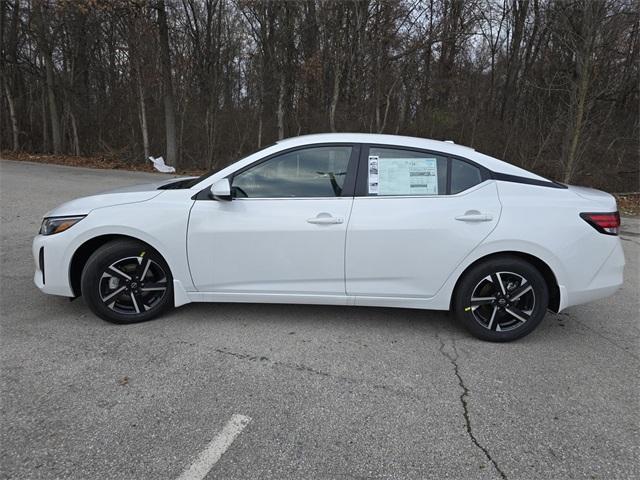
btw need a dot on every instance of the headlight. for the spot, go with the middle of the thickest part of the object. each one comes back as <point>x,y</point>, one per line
<point>53,225</point>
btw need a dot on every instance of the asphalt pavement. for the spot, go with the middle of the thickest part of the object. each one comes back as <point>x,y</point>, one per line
<point>322,392</point>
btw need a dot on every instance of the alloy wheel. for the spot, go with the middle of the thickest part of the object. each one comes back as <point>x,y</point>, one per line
<point>132,285</point>
<point>502,301</point>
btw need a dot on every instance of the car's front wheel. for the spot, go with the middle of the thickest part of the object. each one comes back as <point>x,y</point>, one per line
<point>501,299</point>
<point>125,281</point>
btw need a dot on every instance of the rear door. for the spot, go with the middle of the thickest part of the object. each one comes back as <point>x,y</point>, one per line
<point>415,217</point>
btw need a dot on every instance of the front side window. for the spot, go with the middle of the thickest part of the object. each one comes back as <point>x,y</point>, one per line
<point>309,172</point>
<point>399,172</point>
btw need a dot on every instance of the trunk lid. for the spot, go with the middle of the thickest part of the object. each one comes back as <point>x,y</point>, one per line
<point>602,200</point>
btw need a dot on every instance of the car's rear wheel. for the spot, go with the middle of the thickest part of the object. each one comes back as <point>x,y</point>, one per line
<point>125,281</point>
<point>501,299</point>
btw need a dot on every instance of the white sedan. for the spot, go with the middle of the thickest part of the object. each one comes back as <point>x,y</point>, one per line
<point>341,219</point>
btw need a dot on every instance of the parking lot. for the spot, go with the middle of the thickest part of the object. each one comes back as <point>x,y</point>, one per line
<point>322,392</point>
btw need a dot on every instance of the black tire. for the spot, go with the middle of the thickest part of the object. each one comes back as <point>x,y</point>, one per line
<point>146,293</point>
<point>500,311</point>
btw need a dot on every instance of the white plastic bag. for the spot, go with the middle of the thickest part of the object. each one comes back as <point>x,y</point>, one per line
<point>159,165</point>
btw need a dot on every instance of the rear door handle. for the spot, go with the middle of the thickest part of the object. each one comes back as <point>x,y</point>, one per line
<point>325,219</point>
<point>475,216</point>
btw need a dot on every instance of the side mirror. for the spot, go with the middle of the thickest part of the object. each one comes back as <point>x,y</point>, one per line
<point>221,190</point>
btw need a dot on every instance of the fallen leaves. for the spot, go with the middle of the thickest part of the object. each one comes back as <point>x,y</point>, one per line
<point>629,204</point>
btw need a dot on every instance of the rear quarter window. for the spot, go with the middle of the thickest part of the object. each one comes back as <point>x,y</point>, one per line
<point>463,176</point>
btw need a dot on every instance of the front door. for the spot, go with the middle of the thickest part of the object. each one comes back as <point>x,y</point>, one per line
<point>283,232</point>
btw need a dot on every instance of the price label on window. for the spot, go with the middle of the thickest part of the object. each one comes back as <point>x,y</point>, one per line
<point>403,176</point>
<point>373,175</point>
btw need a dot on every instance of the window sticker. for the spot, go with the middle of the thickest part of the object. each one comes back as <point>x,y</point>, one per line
<point>373,174</point>
<point>403,176</point>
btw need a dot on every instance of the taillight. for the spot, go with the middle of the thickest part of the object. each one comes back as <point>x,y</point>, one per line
<point>608,223</point>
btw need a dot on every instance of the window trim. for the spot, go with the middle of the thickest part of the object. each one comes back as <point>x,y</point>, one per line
<point>362,188</point>
<point>505,177</point>
<point>347,188</point>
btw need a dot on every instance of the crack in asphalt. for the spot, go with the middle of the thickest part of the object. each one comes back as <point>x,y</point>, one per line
<point>266,361</point>
<point>402,393</point>
<point>453,359</point>
<point>294,366</point>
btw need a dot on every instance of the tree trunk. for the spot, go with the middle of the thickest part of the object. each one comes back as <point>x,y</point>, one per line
<point>577,113</point>
<point>334,99</point>
<point>280,112</point>
<point>402,112</point>
<point>212,140</point>
<point>181,134</point>
<point>45,52</point>
<point>56,134</point>
<point>167,83</point>
<point>13,118</point>
<point>387,105</point>
<point>584,41</point>
<point>143,116</point>
<point>520,11</point>
<point>259,129</point>
<point>45,127</point>
<point>2,72</point>
<point>260,112</point>
<point>74,132</point>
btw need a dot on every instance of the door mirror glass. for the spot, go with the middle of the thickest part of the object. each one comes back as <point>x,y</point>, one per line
<point>221,190</point>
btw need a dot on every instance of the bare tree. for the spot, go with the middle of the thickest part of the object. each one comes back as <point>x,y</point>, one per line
<point>45,48</point>
<point>548,84</point>
<point>167,83</point>
<point>583,20</point>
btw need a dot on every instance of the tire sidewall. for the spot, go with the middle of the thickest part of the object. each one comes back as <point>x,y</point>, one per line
<point>107,255</point>
<point>471,279</point>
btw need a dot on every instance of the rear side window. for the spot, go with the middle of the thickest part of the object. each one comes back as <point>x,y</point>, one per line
<point>463,176</point>
<point>398,172</point>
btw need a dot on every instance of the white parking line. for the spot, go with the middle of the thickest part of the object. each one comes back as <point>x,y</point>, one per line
<point>210,455</point>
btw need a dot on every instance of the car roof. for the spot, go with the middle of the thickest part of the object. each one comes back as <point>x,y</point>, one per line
<point>446,147</point>
<point>375,138</point>
<point>437,146</point>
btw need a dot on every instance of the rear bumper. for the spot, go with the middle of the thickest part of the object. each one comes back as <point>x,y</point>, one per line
<point>606,281</point>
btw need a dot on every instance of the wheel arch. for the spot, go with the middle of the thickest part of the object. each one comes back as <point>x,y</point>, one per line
<point>84,251</point>
<point>544,269</point>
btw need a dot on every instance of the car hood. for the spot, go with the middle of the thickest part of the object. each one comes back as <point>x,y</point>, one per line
<point>118,196</point>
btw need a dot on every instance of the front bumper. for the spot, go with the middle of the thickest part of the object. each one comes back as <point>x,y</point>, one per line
<point>52,267</point>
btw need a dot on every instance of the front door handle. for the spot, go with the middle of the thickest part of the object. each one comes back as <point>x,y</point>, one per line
<point>325,219</point>
<point>475,216</point>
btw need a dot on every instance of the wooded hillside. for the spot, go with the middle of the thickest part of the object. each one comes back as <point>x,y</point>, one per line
<point>551,85</point>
